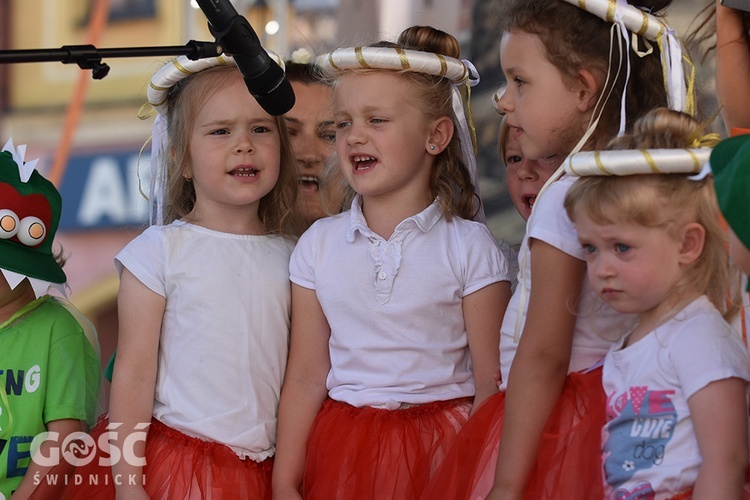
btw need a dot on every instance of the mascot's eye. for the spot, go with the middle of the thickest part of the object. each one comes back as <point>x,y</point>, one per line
<point>8,224</point>
<point>31,231</point>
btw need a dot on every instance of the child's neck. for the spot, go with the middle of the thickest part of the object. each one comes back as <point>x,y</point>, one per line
<point>383,215</point>
<point>13,300</point>
<point>227,221</point>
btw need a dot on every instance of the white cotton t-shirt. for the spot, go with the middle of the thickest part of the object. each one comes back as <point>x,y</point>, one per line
<point>225,332</point>
<point>395,306</point>
<point>597,326</point>
<point>649,442</point>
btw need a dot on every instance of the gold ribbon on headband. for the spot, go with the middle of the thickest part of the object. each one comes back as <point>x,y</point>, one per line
<point>706,141</point>
<point>636,20</point>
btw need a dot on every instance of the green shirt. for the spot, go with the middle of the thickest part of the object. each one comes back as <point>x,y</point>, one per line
<point>49,370</point>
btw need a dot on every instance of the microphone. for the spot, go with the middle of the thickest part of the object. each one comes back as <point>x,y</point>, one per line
<point>264,78</point>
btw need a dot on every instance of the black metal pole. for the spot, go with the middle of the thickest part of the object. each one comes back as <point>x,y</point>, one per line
<point>89,57</point>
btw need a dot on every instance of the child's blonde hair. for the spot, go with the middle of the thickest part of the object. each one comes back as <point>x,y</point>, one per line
<point>277,210</point>
<point>667,201</point>
<point>450,179</point>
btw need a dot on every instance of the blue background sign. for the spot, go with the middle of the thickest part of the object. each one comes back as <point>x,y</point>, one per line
<point>101,191</point>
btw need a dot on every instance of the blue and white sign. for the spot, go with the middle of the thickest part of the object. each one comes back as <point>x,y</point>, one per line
<point>102,191</point>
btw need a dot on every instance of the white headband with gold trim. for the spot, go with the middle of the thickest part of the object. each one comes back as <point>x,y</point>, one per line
<point>637,21</point>
<point>637,161</point>
<point>397,59</point>
<point>457,71</point>
<point>650,27</point>
<point>182,67</point>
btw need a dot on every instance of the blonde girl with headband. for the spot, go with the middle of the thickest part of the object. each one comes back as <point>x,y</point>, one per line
<point>204,300</point>
<point>397,302</point>
<point>578,74</point>
<point>677,423</point>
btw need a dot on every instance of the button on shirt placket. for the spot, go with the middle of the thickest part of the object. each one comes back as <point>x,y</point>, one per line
<point>386,256</point>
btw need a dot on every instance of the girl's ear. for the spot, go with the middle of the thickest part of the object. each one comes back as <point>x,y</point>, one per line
<point>588,90</point>
<point>441,133</point>
<point>693,240</point>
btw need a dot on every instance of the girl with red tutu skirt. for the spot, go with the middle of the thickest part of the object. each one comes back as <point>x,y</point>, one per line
<point>539,438</point>
<point>397,303</point>
<point>204,301</point>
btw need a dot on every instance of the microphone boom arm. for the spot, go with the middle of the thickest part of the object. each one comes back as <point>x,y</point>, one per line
<point>89,57</point>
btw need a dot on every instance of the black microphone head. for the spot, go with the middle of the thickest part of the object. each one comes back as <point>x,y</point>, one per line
<point>276,101</point>
<point>267,82</point>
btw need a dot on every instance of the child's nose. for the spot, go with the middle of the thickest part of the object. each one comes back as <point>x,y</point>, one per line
<point>244,144</point>
<point>355,135</point>
<point>505,103</point>
<point>604,268</point>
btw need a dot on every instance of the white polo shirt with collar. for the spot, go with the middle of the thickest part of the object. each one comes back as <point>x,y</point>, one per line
<point>395,306</point>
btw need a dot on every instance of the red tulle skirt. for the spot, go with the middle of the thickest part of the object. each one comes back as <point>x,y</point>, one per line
<point>370,453</point>
<point>178,466</point>
<point>569,460</point>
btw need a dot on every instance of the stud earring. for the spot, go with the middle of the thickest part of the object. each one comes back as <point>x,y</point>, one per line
<point>432,147</point>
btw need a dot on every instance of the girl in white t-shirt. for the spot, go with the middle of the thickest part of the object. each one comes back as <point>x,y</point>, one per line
<point>204,301</point>
<point>397,303</point>
<point>676,383</point>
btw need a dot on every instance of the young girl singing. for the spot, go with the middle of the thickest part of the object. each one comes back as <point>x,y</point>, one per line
<point>397,302</point>
<point>676,383</point>
<point>204,300</point>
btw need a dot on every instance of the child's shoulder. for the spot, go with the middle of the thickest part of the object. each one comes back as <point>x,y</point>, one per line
<point>66,312</point>
<point>702,347</point>
<point>152,234</point>
<point>59,318</point>
<point>556,190</point>
<point>337,222</point>
<point>700,326</point>
<point>472,230</point>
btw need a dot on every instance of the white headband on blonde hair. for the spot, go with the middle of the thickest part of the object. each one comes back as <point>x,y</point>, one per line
<point>157,94</point>
<point>457,71</point>
<point>637,161</point>
<point>398,59</point>
<point>182,67</point>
